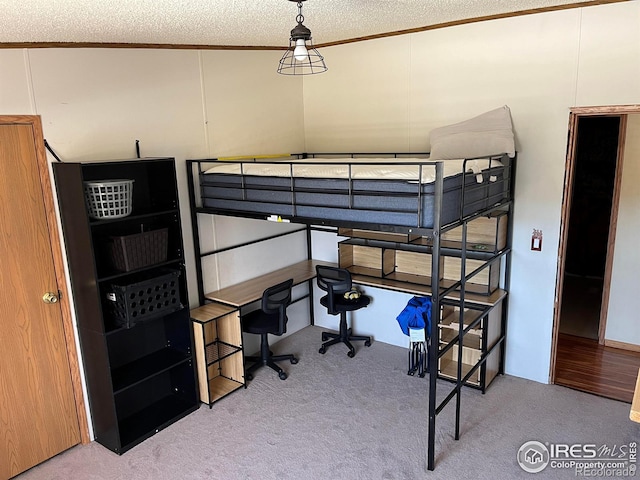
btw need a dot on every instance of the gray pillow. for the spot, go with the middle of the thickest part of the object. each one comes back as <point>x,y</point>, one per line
<point>487,134</point>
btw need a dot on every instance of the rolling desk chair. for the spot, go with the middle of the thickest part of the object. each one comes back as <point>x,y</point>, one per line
<point>270,319</point>
<point>336,282</point>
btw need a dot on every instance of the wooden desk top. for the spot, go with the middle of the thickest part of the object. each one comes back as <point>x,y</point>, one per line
<point>210,311</point>
<point>635,406</point>
<point>250,291</point>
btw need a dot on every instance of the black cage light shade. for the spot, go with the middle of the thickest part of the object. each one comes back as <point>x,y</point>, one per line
<point>301,58</point>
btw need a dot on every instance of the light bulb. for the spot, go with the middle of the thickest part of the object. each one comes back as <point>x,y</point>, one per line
<point>300,52</point>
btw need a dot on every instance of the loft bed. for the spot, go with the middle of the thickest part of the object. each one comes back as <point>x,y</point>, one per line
<point>391,193</point>
<point>419,199</point>
<point>400,193</point>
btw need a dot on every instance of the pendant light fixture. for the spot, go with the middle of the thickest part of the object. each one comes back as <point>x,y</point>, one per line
<point>301,58</point>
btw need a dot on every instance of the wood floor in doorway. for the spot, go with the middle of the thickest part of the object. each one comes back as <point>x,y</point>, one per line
<point>583,364</point>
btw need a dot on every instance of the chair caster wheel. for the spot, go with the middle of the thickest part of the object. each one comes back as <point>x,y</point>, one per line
<point>351,354</point>
<point>282,375</point>
<point>248,377</point>
<point>411,373</point>
<point>367,343</point>
<point>294,361</point>
<point>322,350</point>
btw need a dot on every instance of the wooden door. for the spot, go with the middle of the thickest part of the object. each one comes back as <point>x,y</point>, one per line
<point>38,415</point>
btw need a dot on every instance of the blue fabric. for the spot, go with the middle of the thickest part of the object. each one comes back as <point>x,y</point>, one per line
<point>417,314</point>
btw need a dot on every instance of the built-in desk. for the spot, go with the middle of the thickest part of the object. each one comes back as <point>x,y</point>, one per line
<point>218,333</point>
<point>635,406</point>
<point>250,291</point>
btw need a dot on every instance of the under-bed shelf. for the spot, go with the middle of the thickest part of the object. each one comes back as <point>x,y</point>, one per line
<point>395,262</point>
<point>424,290</point>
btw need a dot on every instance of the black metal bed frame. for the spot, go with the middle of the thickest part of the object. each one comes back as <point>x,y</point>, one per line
<point>438,293</point>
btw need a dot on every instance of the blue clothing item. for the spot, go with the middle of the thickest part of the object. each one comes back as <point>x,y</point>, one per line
<point>417,314</point>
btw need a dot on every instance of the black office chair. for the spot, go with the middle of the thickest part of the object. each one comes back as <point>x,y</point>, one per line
<point>336,282</point>
<point>271,319</point>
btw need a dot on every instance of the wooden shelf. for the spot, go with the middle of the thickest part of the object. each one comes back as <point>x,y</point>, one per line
<point>452,321</point>
<point>220,387</point>
<point>218,350</point>
<point>153,418</point>
<point>470,340</point>
<point>449,369</point>
<point>141,369</point>
<point>396,262</point>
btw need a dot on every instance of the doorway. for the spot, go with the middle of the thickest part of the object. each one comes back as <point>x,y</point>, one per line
<point>593,175</point>
<point>596,157</point>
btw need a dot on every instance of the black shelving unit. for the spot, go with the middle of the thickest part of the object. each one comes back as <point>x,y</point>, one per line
<point>140,370</point>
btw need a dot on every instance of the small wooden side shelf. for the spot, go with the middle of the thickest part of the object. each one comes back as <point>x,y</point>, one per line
<point>218,350</point>
<point>635,406</point>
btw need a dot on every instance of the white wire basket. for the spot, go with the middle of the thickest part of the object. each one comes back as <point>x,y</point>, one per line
<point>109,198</point>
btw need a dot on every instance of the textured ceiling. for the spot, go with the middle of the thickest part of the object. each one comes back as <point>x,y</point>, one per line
<point>234,22</point>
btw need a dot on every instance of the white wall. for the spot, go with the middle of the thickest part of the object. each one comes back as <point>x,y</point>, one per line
<point>622,318</point>
<point>389,93</point>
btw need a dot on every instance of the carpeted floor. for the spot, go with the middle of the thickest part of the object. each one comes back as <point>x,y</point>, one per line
<point>363,418</point>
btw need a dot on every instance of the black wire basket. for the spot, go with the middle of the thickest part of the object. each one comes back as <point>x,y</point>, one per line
<point>144,299</point>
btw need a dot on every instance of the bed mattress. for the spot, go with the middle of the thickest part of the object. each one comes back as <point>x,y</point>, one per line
<point>373,191</point>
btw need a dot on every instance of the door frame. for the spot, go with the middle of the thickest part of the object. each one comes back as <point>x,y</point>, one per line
<point>574,114</point>
<point>35,123</point>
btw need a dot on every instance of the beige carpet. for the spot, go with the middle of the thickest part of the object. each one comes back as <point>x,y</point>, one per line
<point>361,418</point>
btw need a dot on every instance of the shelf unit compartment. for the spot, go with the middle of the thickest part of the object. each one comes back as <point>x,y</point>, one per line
<point>448,364</point>
<point>485,282</point>
<point>139,298</point>
<point>470,340</point>
<point>219,352</point>
<point>451,319</point>
<point>366,260</point>
<point>152,179</point>
<point>145,367</point>
<point>106,236</point>
<point>155,403</point>
<point>484,234</point>
<point>148,349</point>
<point>413,267</point>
